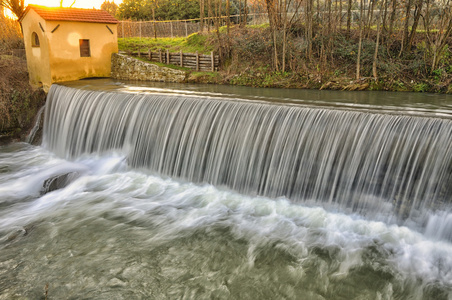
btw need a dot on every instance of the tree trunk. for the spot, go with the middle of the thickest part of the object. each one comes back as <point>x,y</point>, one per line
<point>309,5</point>
<point>349,16</point>
<point>201,15</point>
<point>209,14</point>
<point>245,21</point>
<point>153,18</point>
<point>240,13</point>
<point>407,21</point>
<point>393,16</point>
<point>385,16</point>
<point>374,65</point>
<point>328,3</point>
<point>370,14</point>
<point>417,16</point>
<point>284,11</point>
<point>361,25</point>
<point>228,24</point>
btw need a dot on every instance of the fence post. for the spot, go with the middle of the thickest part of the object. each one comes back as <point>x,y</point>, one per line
<point>150,54</point>
<point>197,61</point>
<point>140,29</point>
<point>186,29</point>
<point>160,55</point>
<point>167,57</point>
<point>171,23</point>
<point>181,59</point>
<point>212,59</point>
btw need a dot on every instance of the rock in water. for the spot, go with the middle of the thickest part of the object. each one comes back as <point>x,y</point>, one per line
<point>58,181</point>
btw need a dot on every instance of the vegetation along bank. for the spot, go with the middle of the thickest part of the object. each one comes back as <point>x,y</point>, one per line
<point>321,44</point>
<point>19,102</point>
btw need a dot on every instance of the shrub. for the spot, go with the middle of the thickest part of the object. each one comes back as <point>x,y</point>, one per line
<point>10,35</point>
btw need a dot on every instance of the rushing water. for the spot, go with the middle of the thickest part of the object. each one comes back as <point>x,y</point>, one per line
<point>127,227</point>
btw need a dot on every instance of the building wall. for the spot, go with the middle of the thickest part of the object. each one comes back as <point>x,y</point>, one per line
<point>65,61</point>
<point>37,57</point>
<point>58,57</point>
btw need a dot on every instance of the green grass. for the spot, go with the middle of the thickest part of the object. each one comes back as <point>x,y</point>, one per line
<point>191,44</point>
<point>259,26</point>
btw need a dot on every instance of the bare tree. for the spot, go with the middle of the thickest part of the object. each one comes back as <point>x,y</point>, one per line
<point>349,16</point>
<point>61,3</point>
<point>361,29</point>
<point>437,39</point>
<point>417,16</point>
<point>374,64</point>
<point>309,31</point>
<point>201,14</point>
<point>393,17</point>
<point>17,7</point>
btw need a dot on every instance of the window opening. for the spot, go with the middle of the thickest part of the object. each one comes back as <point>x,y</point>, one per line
<point>34,40</point>
<point>84,48</point>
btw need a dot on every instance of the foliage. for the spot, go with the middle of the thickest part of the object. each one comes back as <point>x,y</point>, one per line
<point>177,10</point>
<point>133,10</point>
<point>10,35</point>
<point>110,7</point>
<point>161,10</point>
<point>420,87</point>
<point>251,43</point>
<point>17,7</point>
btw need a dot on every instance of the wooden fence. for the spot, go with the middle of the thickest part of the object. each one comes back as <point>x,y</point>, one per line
<point>195,61</point>
<point>157,29</point>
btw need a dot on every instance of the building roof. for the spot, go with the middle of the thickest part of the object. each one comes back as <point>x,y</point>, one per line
<point>71,14</point>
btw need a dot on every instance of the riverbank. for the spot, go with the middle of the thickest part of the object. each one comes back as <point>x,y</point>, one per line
<point>247,58</point>
<point>19,102</point>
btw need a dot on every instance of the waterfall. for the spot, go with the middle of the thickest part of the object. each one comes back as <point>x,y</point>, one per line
<point>31,136</point>
<point>394,165</point>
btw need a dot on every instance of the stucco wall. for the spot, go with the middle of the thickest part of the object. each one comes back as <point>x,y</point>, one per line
<point>65,61</point>
<point>58,57</point>
<point>128,68</point>
<point>38,59</point>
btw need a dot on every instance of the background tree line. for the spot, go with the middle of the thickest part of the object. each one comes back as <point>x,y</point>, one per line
<point>394,23</point>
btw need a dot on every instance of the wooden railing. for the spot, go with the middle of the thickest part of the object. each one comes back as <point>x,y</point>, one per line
<point>195,61</point>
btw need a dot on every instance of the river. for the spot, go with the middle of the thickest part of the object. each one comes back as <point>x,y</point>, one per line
<point>118,228</point>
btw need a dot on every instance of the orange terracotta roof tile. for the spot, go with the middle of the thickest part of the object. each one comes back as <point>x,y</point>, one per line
<point>71,14</point>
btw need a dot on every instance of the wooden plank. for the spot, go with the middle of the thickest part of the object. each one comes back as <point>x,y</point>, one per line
<point>212,61</point>
<point>194,61</point>
<point>181,54</point>
<point>197,61</point>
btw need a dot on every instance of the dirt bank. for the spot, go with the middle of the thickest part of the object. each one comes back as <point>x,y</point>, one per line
<point>19,102</point>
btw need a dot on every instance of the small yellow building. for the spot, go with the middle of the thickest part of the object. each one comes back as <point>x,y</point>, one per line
<point>64,44</point>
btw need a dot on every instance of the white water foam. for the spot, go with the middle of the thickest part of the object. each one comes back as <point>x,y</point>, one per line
<point>107,191</point>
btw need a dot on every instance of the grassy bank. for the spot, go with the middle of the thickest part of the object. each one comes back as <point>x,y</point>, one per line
<point>248,58</point>
<point>19,102</point>
<point>190,44</point>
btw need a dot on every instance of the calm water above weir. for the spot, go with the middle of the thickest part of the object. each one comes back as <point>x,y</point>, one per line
<point>159,193</point>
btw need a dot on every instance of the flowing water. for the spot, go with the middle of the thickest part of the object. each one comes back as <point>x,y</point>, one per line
<point>171,195</point>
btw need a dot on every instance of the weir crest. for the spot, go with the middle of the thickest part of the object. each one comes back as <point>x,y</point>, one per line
<point>395,167</point>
